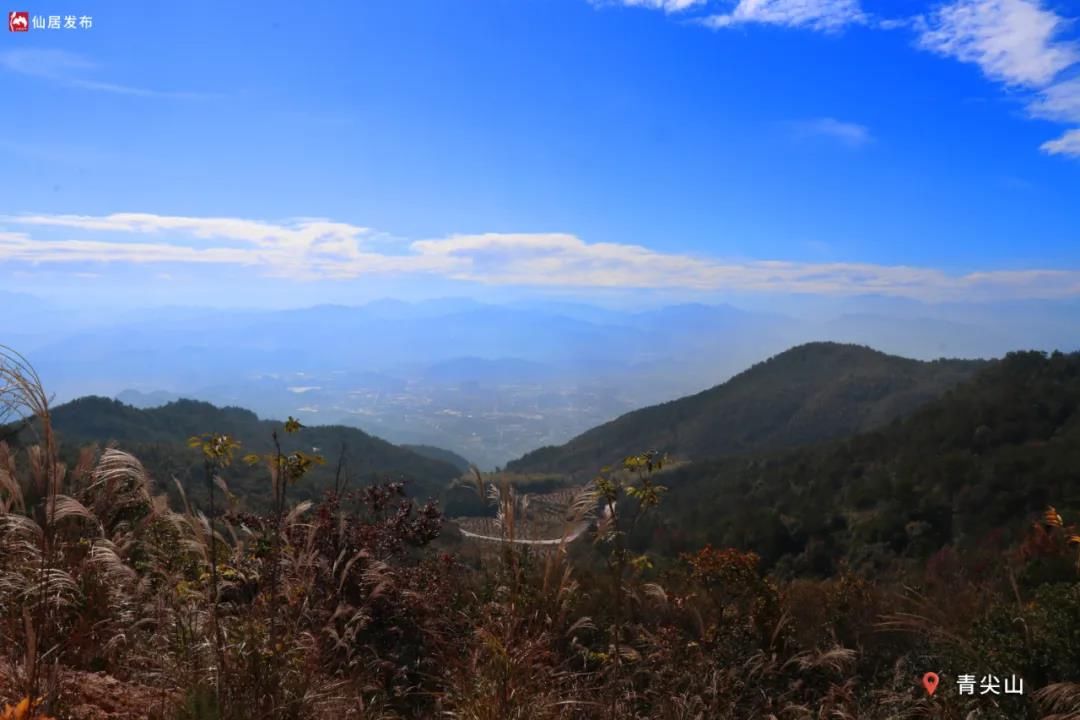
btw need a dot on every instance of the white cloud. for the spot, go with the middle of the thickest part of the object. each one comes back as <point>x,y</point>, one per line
<point>1015,42</point>
<point>299,248</point>
<point>898,23</point>
<point>826,15</point>
<point>116,89</point>
<point>1060,102</point>
<point>1012,41</point>
<point>669,6</point>
<point>70,69</point>
<point>565,260</point>
<point>1018,43</point>
<point>45,63</point>
<point>1067,144</point>
<point>320,249</point>
<point>301,234</point>
<point>847,133</point>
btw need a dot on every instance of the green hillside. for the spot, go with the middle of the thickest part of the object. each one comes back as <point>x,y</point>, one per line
<point>991,451</point>
<point>158,437</point>
<point>810,393</point>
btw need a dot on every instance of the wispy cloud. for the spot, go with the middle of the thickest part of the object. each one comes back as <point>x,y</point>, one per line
<point>1059,102</point>
<point>45,63</point>
<point>321,249</point>
<point>668,6</point>
<point>305,233</point>
<point>824,15</point>
<point>73,70</point>
<point>847,133</point>
<point>1013,41</point>
<point>1067,144</point>
<point>1017,43</point>
<point>299,248</point>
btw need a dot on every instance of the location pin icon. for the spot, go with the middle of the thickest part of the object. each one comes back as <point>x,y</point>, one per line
<point>930,682</point>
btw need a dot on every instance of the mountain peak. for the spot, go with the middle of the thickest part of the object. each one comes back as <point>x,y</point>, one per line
<point>811,392</point>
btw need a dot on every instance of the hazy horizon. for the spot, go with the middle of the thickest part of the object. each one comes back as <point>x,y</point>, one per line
<point>487,380</point>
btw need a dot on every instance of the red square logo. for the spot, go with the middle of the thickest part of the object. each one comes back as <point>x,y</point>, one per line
<point>18,21</point>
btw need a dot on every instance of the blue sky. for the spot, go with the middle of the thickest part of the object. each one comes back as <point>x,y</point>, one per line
<point>284,152</point>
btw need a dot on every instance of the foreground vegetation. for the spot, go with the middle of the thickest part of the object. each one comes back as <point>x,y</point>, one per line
<point>352,606</point>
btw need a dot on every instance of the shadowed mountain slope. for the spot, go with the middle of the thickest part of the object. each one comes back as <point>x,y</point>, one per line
<point>810,393</point>
<point>158,436</point>
<point>984,457</point>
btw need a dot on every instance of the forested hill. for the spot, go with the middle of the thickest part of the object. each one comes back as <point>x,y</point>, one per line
<point>810,393</point>
<point>983,458</point>
<point>158,436</point>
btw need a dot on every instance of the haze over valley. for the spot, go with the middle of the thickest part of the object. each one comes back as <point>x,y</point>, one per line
<point>489,381</point>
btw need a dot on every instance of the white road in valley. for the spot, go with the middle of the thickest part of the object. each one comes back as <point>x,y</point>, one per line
<point>492,538</point>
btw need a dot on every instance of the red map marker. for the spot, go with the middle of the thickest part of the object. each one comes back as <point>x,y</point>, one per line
<point>930,682</point>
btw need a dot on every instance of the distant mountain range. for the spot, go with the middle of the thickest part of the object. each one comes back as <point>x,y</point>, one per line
<point>488,382</point>
<point>810,393</point>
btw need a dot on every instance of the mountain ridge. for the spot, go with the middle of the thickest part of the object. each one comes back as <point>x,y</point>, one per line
<point>811,392</point>
<point>158,435</point>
